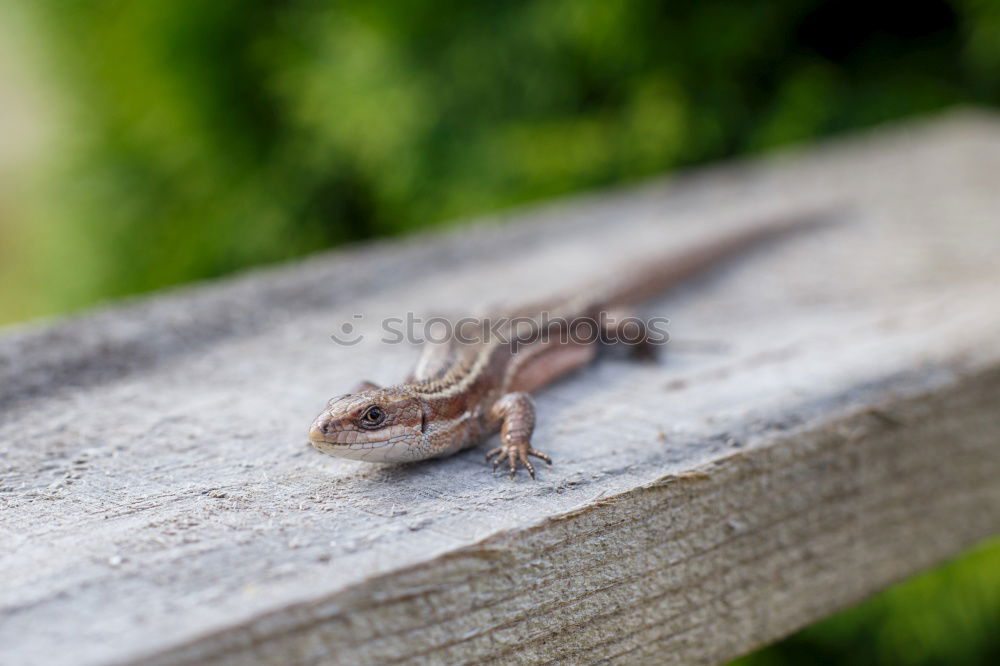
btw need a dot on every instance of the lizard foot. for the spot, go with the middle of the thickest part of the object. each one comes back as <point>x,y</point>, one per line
<point>514,452</point>
<point>516,414</point>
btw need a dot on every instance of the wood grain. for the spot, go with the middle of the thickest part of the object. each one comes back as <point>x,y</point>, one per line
<point>823,424</point>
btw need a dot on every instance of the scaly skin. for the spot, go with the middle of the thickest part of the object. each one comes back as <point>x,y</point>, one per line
<point>461,393</point>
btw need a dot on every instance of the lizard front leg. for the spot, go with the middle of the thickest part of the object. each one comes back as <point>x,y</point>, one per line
<point>515,412</point>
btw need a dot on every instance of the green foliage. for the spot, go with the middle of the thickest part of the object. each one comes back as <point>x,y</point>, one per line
<point>208,136</point>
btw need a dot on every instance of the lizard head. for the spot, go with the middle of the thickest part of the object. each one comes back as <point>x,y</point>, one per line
<point>380,425</point>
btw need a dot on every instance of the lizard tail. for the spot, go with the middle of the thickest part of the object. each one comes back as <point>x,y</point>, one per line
<point>645,280</point>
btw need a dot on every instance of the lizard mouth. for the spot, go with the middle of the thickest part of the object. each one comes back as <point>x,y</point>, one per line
<point>323,443</point>
<point>327,446</point>
<point>378,451</point>
<point>334,438</point>
<point>326,441</point>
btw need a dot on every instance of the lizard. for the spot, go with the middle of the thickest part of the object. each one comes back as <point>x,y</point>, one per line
<point>464,391</point>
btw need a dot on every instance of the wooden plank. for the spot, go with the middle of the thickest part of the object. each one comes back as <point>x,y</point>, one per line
<point>824,424</point>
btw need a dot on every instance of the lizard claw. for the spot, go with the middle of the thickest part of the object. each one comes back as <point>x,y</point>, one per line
<point>495,456</point>
<point>527,465</point>
<point>514,453</point>
<point>539,454</point>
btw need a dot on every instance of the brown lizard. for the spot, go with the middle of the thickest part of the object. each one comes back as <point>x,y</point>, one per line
<point>466,390</point>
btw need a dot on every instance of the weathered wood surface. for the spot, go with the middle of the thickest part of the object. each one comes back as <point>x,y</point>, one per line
<point>825,423</point>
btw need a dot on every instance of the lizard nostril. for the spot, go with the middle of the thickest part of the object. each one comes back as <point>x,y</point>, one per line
<point>320,427</point>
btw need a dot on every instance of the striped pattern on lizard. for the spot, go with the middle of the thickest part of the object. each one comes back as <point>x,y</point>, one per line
<point>461,393</point>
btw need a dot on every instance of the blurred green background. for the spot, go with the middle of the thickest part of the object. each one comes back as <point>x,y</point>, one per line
<point>154,142</point>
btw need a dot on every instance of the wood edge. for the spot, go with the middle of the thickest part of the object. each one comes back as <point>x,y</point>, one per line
<point>896,417</point>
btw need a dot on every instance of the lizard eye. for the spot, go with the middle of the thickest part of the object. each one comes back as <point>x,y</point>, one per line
<point>373,416</point>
